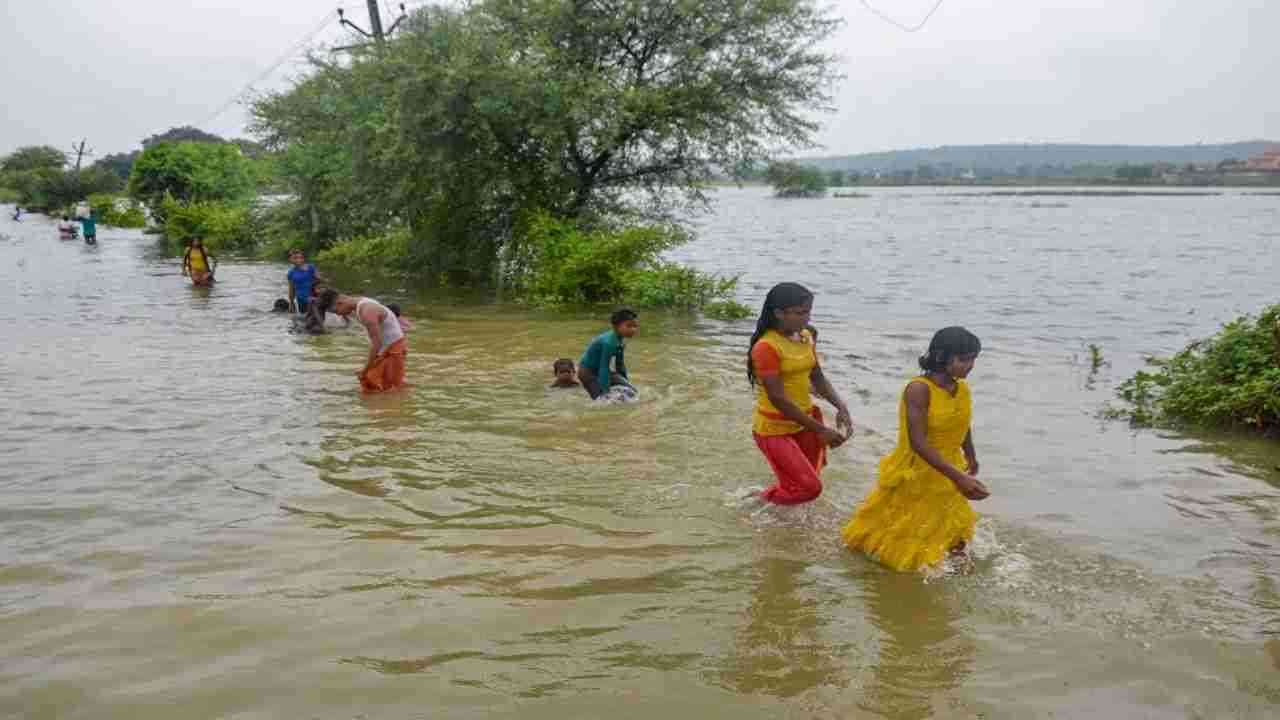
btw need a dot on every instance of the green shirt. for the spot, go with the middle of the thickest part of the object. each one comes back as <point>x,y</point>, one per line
<point>604,347</point>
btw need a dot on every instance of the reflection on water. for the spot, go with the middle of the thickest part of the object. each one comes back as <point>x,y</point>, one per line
<point>922,653</point>
<point>201,511</point>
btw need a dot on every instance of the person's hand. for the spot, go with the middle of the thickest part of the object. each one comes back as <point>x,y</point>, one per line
<point>972,460</point>
<point>830,437</point>
<point>844,422</point>
<point>970,487</point>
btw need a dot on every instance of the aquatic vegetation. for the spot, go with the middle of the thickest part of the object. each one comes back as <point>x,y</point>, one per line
<point>117,211</point>
<point>1230,379</point>
<point>222,227</point>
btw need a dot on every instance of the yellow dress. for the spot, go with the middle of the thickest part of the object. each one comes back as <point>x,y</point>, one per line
<point>915,515</point>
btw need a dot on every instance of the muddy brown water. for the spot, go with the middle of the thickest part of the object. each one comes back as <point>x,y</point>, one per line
<point>203,518</point>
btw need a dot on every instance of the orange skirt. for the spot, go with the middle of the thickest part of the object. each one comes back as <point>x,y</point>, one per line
<point>387,372</point>
<point>201,278</point>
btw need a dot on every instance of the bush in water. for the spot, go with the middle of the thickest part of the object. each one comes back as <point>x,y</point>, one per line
<point>388,251</point>
<point>1230,379</point>
<point>791,179</point>
<point>562,263</point>
<point>190,172</point>
<point>222,226</point>
<point>116,211</point>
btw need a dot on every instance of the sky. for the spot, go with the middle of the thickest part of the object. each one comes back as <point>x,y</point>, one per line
<point>980,71</point>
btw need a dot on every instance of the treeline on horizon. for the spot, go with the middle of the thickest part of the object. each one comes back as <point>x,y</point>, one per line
<point>1040,160</point>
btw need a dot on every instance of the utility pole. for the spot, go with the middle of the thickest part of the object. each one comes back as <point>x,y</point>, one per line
<point>375,33</point>
<point>80,153</point>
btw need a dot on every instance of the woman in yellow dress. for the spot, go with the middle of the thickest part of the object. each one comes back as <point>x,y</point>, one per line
<point>918,511</point>
<point>199,264</point>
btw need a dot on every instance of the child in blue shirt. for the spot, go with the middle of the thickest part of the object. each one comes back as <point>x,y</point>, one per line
<point>593,369</point>
<point>302,278</point>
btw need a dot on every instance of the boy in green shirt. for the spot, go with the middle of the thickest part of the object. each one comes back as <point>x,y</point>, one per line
<point>593,369</point>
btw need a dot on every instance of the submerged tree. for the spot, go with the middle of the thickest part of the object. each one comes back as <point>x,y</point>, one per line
<point>475,120</point>
<point>791,179</point>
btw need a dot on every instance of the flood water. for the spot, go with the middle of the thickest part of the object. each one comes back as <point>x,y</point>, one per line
<point>202,517</point>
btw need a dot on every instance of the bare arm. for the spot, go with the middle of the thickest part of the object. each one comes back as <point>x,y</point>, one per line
<point>970,454</point>
<point>917,399</point>
<point>824,390</point>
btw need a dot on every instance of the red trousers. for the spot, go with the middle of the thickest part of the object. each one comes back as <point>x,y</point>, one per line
<point>797,461</point>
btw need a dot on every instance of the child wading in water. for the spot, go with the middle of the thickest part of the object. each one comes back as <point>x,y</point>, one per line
<point>563,368</point>
<point>198,263</point>
<point>594,372</point>
<point>788,427</point>
<point>918,513</point>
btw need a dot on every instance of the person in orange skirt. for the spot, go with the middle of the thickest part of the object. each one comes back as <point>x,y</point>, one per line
<point>788,426</point>
<point>385,368</point>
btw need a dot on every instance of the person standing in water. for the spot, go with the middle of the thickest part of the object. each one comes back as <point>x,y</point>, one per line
<point>919,511</point>
<point>90,225</point>
<point>385,367</point>
<point>302,277</point>
<point>199,264</point>
<point>782,366</point>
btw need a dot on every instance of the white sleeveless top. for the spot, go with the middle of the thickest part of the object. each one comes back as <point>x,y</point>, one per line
<point>390,325</point>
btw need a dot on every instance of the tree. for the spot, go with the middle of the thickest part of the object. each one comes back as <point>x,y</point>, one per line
<point>120,164</point>
<point>191,171</point>
<point>474,120</point>
<point>835,178</point>
<point>791,179</point>
<point>185,133</point>
<point>34,158</point>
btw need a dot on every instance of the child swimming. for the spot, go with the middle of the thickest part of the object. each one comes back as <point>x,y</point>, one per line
<point>919,511</point>
<point>281,306</point>
<point>594,372</point>
<point>788,427</point>
<point>565,376</point>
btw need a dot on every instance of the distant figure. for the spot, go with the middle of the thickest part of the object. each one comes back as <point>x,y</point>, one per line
<point>302,277</point>
<point>783,368</point>
<point>281,306</point>
<point>404,323</point>
<point>565,376</point>
<point>199,264</point>
<point>90,225</point>
<point>17,214</point>
<point>594,372</point>
<point>67,229</point>
<point>919,511</point>
<point>385,367</point>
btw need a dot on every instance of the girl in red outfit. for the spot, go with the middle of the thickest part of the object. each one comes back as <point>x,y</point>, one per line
<point>782,366</point>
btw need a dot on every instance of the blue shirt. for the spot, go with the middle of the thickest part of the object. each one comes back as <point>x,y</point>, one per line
<point>604,347</point>
<point>302,278</point>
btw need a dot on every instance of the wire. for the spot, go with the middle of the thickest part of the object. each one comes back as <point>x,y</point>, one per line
<point>895,23</point>
<point>285,57</point>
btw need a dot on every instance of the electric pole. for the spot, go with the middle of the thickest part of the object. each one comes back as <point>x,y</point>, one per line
<point>376,33</point>
<point>80,153</point>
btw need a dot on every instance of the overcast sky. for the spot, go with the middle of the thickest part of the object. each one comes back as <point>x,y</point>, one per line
<point>981,71</point>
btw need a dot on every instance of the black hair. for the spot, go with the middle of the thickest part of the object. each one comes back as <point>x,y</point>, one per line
<point>281,305</point>
<point>948,343</point>
<point>783,295</point>
<point>562,363</point>
<point>395,309</point>
<point>324,303</point>
<point>622,315</point>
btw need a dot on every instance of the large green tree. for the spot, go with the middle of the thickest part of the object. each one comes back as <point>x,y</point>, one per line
<point>191,171</point>
<point>791,179</point>
<point>474,120</point>
<point>34,157</point>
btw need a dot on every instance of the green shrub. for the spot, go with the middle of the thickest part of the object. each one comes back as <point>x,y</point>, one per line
<point>1230,379</point>
<point>791,179</point>
<point>388,251</point>
<point>563,263</point>
<point>190,172</point>
<point>9,195</point>
<point>223,227</point>
<point>117,211</point>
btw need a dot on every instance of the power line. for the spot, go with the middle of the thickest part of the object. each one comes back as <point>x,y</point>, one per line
<point>899,25</point>
<point>285,57</point>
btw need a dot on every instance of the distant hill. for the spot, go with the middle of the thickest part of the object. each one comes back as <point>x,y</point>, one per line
<point>1010,158</point>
